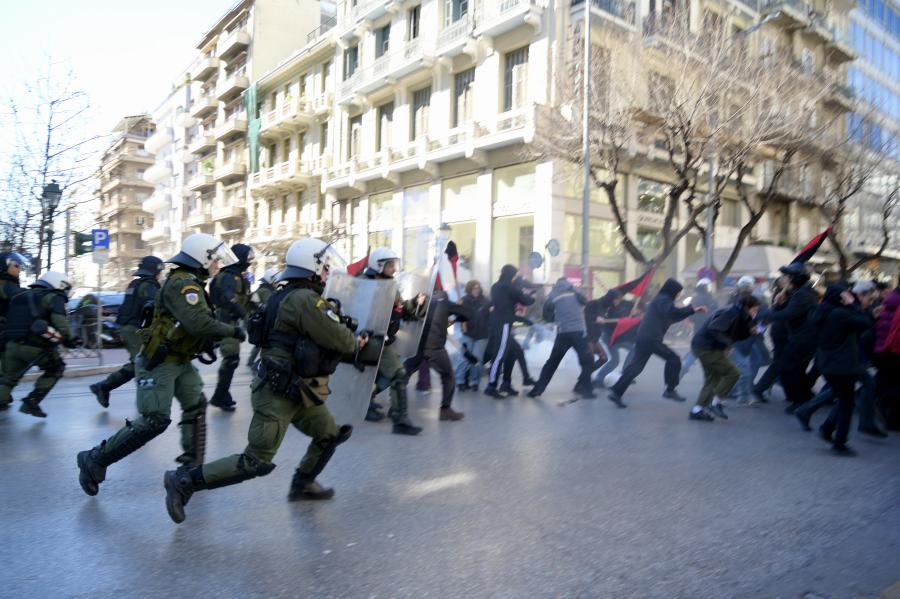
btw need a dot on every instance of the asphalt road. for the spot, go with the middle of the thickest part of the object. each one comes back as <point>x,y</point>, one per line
<point>524,498</point>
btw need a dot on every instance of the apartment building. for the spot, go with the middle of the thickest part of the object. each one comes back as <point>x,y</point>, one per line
<point>169,175</point>
<point>250,39</point>
<point>122,193</point>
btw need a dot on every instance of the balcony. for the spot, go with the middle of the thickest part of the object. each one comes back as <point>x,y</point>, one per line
<point>392,66</point>
<point>818,28</point>
<point>615,12</point>
<point>232,43</point>
<point>158,232</point>
<point>233,127</point>
<point>129,181</point>
<point>453,39</point>
<point>201,181</point>
<point>501,16</point>
<point>232,87</point>
<point>321,104</point>
<point>320,31</point>
<point>230,172</point>
<point>204,106</point>
<point>204,142</point>
<point>158,172</point>
<point>791,185</point>
<point>206,68</point>
<point>790,14</point>
<point>840,97</point>
<point>158,140</point>
<point>292,115</point>
<point>288,175</point>
<point>839,48</point>
<point>365,10</point>
<point>157,201</point>
<point>228,212</point>
<point>198,218</point>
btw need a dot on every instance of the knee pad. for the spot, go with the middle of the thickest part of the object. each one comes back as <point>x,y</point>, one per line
<point>252,467</point>
<point>156,424</point>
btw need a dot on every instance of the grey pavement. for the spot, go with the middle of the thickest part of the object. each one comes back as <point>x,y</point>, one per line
<point>523,498</point>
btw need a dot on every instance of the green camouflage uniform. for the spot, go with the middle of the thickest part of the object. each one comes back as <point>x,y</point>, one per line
<point>230,293</point>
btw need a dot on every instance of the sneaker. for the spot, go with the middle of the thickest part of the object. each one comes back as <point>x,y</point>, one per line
<point>718,410</point>
<point>31,407</point>
<point>616,399</point>
<point>804,420</point>
<point>533,394</point>
<point>406,428</point>
<point>449,414</point>
<point>492,392</point>
<point>101,393</point>
<point>843,450</point>
<point>702,415</point>
<point>673,395</point>
<point>508,389</point>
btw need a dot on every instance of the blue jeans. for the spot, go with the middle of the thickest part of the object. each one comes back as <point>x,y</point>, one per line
<point>466,371</point>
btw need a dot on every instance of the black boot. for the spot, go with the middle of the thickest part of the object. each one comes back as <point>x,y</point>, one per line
<point>91,470</point>
<point>101,392</point>
<point>180,484</point>
<point>222,396</point>
<point>30,406</point>
<point>303,488</point>
<point>402,424</point>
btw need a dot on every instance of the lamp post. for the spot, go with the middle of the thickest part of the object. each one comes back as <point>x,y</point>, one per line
<point>586,151</point>
<point>50,198</point>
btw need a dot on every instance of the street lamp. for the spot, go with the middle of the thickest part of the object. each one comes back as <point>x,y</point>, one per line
<point>49,201</point>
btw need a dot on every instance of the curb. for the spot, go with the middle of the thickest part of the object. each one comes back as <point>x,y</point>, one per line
<point>78,371</point>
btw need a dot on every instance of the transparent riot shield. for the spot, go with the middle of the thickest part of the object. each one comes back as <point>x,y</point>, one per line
<point>370,301</point>
<point>412,284</point>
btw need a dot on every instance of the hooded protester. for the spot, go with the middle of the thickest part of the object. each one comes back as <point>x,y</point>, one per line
<point>838,322</point>
<point>661,314</point>
<point>565,307</point>
<point>599,330</point>
<point>620,308</point>
<point>505,296</point>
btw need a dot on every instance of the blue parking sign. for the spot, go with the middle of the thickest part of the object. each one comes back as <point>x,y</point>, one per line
<point>100,238</point>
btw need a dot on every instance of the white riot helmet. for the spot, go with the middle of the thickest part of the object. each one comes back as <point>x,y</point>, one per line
<point>704,282</point>
<point>310,257</point>
<point>381,256</point>
<point>199,250</point>
<point>746,281</point>
<point>55,280</point>
<point>270,277</point>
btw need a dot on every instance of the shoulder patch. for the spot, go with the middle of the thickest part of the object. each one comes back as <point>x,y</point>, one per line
<point>191,287</point>
<point>192,298</point>
<point>327,309</point>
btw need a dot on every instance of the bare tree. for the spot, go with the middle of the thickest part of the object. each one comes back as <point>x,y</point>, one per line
<point>48,119</point>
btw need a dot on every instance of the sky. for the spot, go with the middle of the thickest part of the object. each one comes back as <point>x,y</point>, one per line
<point>125,55</point>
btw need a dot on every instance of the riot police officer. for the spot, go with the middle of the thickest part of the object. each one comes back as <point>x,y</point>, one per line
<point>140,291</point>
<point>382,264</point>
<point>12,265</point>
<point>36,325</point>
<point>183,324</point>
<point>302,339</point>
<point>259,298</point>
<point>230,294</point>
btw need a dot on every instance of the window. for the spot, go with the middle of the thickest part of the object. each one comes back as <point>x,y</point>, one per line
<point>515,79</point>
<point>383,126</point>
<point>382,40</point>
<point>140,221</point>
<point>351,61</point>
<point>464,87</point>
<point>419,117</point>
<point>454,10</point>
<point>355,137</point>
<point>652,196</point>
<point>324,79</point>
<point>604,238</point>
<point>412,22</point>
<point>323,138</point>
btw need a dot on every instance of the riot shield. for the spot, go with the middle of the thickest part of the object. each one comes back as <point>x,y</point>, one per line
<point>412,284</point>
<point>370,301</point>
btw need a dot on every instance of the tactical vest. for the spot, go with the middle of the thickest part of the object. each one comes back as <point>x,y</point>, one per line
<point>24,309</point>
<point>132,307</point>
<point>241,293</point>
<point>9,287</point>
<point>166,330</point>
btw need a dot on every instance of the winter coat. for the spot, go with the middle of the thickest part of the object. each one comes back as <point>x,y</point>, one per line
<point>505,297</point>
<point>480,309</point>
<point>597,308</point>
<point>838,328</point>
<point>662,313</point>
<point>723,329</point>
<point>567,308</point>
<point>438,319</point>
<point>890,313</point>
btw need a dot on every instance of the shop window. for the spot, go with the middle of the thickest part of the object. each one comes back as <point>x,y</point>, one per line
<point>512,241</point>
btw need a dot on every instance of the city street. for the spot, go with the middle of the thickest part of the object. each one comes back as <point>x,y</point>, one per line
<point>523,498</point>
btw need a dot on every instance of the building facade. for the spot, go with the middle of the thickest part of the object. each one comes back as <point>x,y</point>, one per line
<point>122,193</point>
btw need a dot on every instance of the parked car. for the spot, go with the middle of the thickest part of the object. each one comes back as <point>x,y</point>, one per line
<point>83,318</point>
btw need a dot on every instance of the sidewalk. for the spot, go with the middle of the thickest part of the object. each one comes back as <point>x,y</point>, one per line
<point>82,366</point>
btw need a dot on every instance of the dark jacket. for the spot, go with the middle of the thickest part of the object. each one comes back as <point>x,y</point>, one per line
<point>438,319</point>
<point>795,314</point>
<point>890,309</point>
<point>838,328</point>
<point>566,306</point>
<point>597,308</point>
<point>723,329</point>
<point>139,292</point>
<point>9,288</point>
<point>703,298</point>
<point>662,313</point>
<point>505,297</point>
<point>476,327</point>
<point>230,294</point>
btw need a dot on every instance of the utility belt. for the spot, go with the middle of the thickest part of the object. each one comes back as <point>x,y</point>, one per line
<point>282,380</point>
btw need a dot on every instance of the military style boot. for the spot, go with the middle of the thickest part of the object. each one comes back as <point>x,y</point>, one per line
<point>305,488</point>
<point>222,396</point>
<point>92,470</point>
<point>180,484</point>
<point>402,423</point>
<point>101,392</point>
<point>30,406</point>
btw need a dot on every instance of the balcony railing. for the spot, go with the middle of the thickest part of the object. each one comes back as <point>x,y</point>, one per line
<point>398,63</point>
<point>233,42</point>
<point>321,30</point>
<point>620,9</point>
<point>456,32</point>
<point>500,16</point>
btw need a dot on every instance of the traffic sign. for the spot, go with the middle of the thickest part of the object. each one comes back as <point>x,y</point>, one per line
<point>100,238</point>
<point>101,256</point>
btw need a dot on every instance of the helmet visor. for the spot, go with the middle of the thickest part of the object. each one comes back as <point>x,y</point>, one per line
<point>19,260</point>
<point>331,260</point>
<point>223,254</point>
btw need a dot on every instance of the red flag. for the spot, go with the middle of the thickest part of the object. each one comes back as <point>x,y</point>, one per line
<point>811,248</point>
<point>453,255</point>
<point>357,267</point>
<point>638,286</point>
<point>623,326</point>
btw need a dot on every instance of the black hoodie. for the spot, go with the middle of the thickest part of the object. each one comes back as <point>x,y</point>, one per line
<point>662,313</point>
<point>505,297</point>
<point>838,328</point>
